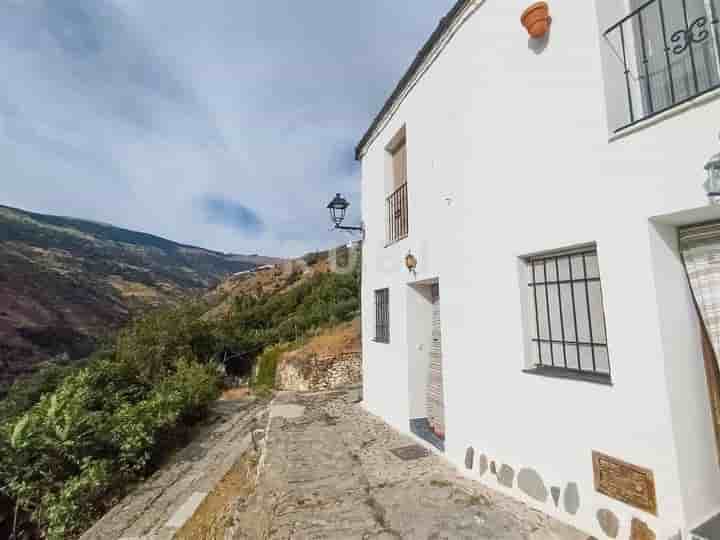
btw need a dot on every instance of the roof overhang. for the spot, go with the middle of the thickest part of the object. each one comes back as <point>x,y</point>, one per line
<point>427,54</point>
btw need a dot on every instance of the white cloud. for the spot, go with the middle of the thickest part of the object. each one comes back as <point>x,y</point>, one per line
<point>132,112</point>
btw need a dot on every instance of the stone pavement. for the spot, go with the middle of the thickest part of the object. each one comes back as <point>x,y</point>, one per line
<point>327,473</point>
<point>162,505</point>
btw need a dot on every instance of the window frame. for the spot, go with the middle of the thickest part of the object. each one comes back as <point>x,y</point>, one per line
<point>382,315</point>
<point>535,338</point>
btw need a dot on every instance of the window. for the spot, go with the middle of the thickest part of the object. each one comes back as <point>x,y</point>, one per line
<point>382,316</point>
<point>567,320</point>
<point>665,53</point>
<point>396,203</point>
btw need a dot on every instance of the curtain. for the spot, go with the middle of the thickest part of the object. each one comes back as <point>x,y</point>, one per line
<point>700,247</point>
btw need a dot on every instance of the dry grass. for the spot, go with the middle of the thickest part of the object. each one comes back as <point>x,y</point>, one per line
<point>340,339</point>
<point>214,516</point>
<point>233,394</point>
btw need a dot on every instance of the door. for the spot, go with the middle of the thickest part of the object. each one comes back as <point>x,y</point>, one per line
<point>436,395</point>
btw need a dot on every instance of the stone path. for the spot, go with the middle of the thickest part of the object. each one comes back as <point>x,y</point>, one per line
<point>162,505</point>
<point>327,473</point>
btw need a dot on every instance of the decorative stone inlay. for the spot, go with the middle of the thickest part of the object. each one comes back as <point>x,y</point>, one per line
<point>639,530</point>
<point>483,464</point>
<point>410,453</point>
<point>532,485</point>
<point>624,482</point>
<point>609,522</point>
<point>555,492</point>
<point>571,498</point>
<point>506,476</point>
<point>469,457</point>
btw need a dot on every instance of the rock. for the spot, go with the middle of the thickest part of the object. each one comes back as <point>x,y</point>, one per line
<point>506,477</point>
<point>555,492</point>
<point>482,464</point>
<point>609,522</point>
<point>532,485</point>
<point>571,498</point>
<point>469,458</point>
<point>639,530</point>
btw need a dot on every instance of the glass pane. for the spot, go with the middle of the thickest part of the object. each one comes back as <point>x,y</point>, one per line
<point>586,359</point>
<point>577,267</point>
<point>541,312</point>
<point>591,263</point>
<point>555,325</point>
<point>545,354</point>
<point>557,349</point>
<point>539,272</point>
<point>550,270</point>
<point>581,312</point>
<point>563,268</point>
<point>596,312</point>
<point>602,361</point>
<point>567,312</point>
<point>572,356</point>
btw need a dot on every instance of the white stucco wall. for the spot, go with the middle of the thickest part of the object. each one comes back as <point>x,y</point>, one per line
<point>509,154</point>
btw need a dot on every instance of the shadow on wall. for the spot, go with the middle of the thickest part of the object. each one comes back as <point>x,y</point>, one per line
<point>538,45</point>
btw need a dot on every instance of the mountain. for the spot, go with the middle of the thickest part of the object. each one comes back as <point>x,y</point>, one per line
<point>65,282</point>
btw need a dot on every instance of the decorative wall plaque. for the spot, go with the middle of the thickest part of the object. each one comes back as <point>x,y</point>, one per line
<point>624,482</point>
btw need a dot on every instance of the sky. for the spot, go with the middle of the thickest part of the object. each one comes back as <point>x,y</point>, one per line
<point>227,124</point>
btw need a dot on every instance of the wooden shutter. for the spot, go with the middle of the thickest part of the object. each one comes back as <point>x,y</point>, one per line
<point>399,161</point>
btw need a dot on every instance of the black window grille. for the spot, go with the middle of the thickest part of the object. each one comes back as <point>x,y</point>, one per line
<point>567,316</point>
<point>382,316</point>
<point>667,54</point>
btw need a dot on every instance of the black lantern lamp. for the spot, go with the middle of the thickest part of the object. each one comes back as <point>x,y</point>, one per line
<point>338,207</point>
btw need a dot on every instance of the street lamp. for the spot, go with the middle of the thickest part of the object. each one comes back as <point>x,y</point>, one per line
<point>338,207</point>
<point>712,184</point>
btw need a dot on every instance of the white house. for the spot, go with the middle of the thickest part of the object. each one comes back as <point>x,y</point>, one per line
<point>547,340</point>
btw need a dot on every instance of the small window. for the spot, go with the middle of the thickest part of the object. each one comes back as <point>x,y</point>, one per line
<point>382,316</point>
<point>567,318</point>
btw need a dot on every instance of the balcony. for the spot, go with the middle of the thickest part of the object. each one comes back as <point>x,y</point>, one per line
<point>396,221</point>
<point>664,53</point>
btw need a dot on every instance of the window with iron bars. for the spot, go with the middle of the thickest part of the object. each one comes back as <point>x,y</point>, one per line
<point>382,316</point>
<point>567,319</point>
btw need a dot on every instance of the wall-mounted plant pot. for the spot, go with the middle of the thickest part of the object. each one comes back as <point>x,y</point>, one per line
<point>536,19</point>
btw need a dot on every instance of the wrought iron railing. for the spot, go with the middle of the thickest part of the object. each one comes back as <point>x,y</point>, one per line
<point>667,53</point>
<point>396,207</point>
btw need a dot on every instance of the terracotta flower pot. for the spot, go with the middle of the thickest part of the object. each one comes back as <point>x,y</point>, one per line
<point>536,19</point>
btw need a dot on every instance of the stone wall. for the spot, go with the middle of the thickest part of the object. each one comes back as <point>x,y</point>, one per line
<point>316,373</point>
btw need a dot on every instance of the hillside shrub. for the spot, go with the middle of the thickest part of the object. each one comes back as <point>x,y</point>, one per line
<point>70,454</point>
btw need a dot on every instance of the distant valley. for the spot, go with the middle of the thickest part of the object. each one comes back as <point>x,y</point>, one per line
<point>65,282</point>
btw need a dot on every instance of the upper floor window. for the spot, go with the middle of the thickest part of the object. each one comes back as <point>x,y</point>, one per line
<point>664,53</point>
<point>567,319</point>
<point>396,202</point>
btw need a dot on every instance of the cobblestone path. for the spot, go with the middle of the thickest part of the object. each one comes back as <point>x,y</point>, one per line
<point>328,473</point>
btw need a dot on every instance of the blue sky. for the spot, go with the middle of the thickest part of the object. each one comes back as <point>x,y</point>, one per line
<point>227,124</point>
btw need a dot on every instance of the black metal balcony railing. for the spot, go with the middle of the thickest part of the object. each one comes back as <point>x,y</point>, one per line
<point>667,52</point>
<point>396,206</point>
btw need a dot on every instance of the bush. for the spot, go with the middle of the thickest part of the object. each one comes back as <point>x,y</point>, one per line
<point>264,377</point>
<point>69,454</point>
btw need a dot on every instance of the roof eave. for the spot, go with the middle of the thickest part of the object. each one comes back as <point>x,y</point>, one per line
<point>443,26</point>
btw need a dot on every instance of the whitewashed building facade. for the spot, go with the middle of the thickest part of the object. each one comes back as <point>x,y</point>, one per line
<point>547,338</point>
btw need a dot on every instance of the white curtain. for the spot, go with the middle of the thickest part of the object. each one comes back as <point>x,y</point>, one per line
<point>700,247</point>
